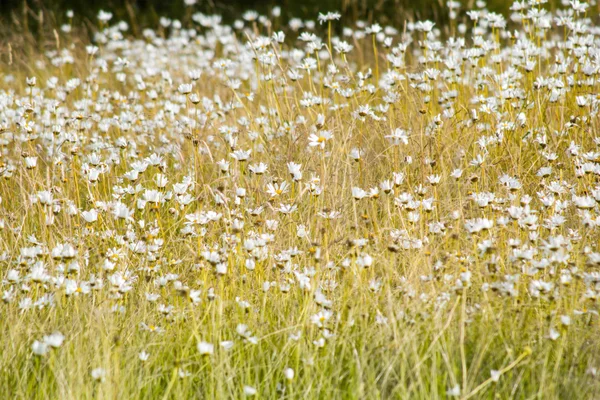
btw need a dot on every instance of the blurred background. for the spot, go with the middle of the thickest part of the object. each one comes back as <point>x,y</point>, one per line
<point>148,11</point>
<point>36,19</point>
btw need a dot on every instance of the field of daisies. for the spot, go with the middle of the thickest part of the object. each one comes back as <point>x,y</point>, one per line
<point>304,209</point>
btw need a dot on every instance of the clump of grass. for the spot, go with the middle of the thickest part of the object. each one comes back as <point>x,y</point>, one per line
<point>228,211</point>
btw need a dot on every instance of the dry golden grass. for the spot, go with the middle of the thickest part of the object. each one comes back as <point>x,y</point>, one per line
<point>439,238</point>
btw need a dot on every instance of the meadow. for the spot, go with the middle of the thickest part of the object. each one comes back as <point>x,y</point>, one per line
<point>316,208</point>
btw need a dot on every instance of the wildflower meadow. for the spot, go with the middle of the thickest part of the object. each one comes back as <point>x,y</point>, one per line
<point>303,207</point>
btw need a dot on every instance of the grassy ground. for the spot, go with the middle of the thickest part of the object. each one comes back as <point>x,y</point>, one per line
<point>438,238</point>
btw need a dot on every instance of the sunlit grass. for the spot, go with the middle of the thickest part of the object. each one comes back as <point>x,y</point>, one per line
<point>233,211</point>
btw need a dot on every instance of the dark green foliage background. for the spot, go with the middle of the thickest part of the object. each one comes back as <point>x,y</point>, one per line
<point>147,12</point>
